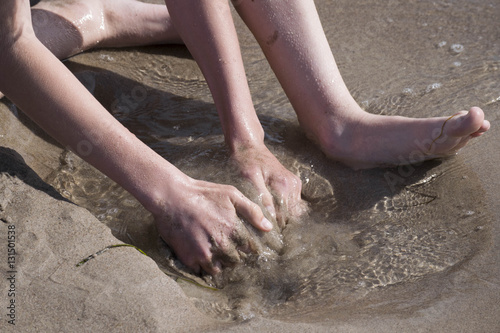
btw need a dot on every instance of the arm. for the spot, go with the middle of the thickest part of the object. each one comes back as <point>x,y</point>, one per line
<point>207,29</point>
<point>198,219</point>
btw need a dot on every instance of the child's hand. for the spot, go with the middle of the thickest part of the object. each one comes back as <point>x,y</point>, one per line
<point>199,220</point>
<point>278,189</point>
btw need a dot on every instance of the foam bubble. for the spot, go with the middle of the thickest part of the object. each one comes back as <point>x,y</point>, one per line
<point>456,48</point>
<point>408,92</point>
<point>432,87</point>
<point>441,44</point>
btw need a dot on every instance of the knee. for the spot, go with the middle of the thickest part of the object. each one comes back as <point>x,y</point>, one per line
<point>15,22</point>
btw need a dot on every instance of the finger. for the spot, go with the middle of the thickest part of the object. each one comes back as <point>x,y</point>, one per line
<point>287,193</point>
<point>204,260</point>
<point>298,206</point>
<point>211,268</point>
<point>244,241</point>
<point>194,253</point>
<point>264,194</point>
<point>179,250</point>
<point>282,215</point>
<point>224,251</point>
<point>226,258</point>
<point>281,194</point>
<point>190,262</point>
<point>250,211</point>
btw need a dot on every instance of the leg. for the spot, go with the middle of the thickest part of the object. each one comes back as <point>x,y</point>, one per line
<point>206,27</point>
<point>67,28</point>
<point>70,27</point>
<point>291,36</point>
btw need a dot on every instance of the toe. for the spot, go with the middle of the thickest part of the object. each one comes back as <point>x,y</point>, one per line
<point>466,124</point>
<point>484,127</point>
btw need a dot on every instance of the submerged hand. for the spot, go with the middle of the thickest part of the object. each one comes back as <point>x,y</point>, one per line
<point>278,189</point>
<point>200,222</point>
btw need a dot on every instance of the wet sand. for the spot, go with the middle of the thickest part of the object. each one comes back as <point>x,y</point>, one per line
<point>416,59</point>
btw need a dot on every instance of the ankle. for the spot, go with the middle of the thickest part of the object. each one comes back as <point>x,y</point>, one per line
<point>339,137</point>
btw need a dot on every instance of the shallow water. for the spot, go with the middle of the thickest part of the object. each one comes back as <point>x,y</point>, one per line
<point>378,239</point>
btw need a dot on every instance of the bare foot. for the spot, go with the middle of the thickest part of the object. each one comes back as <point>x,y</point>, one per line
<point>370,140</point>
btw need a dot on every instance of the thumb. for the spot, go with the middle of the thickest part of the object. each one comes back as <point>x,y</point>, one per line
<point>251,212</point>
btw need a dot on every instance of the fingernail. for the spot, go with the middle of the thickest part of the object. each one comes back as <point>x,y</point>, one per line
<point>271,211</point>
<point>217,268</point>
<point>266,224</point>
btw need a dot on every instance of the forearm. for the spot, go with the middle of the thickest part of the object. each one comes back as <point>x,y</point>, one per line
<point>207,29</point>
<point>49,94</point>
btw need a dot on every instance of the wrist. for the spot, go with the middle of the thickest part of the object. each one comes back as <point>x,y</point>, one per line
<point>158,194</point>
<point>243,141</point>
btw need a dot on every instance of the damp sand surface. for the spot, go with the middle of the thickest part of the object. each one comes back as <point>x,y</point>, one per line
<point>375,242</point>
